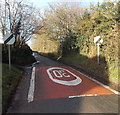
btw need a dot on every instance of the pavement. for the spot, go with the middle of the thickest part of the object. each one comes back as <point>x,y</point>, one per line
<point>52,87</point>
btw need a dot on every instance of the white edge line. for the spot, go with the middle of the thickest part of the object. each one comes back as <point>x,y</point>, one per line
<point>107,87</point>
<point>32,86</point>
<point>90,95</point>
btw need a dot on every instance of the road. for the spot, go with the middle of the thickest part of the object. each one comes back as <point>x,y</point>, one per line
<point>52,87</point>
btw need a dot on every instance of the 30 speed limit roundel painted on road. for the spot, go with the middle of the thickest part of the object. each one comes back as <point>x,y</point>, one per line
<point>57,82</point>
<point>63,76</point>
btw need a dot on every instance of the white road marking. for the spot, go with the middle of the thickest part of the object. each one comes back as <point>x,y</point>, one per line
<point>32,86</point>
<point>38,62</point>
<point>90,95</point>
<point>63,82</point>
<point>107,87</point>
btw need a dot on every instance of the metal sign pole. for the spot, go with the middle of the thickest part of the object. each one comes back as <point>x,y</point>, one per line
<point>9,52</point>
<point>98,52</point>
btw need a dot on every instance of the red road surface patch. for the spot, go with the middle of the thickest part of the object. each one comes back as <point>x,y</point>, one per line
<point>46,88</point>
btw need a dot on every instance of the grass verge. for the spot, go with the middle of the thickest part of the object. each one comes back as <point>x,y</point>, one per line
<point>9,82</point>
<point>101,72</point>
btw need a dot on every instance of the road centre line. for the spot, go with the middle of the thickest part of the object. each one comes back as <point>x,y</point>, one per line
<point>32,86</point>
<point>107,87</point>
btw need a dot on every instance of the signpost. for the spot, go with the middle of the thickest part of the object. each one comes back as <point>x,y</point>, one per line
<point>98,41</point>
<point>9,39</point>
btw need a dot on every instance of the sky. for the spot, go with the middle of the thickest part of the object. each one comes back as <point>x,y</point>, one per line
<point>44,3</point>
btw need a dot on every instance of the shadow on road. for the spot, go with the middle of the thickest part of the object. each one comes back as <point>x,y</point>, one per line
<point>99,104</point>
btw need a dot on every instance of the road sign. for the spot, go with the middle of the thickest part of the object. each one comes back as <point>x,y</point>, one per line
<point>9,39</point>
<point>1,41</point>
<point>98,41</point>
<point>1,38</point>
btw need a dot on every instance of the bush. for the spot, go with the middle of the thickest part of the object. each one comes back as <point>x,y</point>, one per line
<point>19,55</point>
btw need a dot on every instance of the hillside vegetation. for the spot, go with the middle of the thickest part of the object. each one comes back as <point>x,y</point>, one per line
<point>75,27</point>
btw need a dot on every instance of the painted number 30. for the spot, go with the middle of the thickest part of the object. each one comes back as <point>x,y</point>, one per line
<point>60,73</point>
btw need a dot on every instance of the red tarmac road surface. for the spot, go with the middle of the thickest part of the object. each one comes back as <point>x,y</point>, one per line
<point>47,91</point>
<point>46,88</point>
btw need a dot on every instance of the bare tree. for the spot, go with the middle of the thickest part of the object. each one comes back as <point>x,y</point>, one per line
<point>60,20</point>
<point>59,23</point>
<point>18,18</point>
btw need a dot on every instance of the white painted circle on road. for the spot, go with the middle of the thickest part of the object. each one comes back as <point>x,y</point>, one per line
<point>61,72</point>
